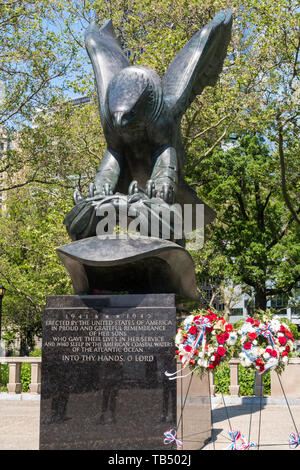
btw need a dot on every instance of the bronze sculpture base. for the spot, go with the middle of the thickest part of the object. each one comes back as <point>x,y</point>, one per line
<point>131,265</point>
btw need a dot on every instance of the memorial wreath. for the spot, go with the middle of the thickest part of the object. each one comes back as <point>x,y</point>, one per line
<point>204,340</point>
<point>265,343</point>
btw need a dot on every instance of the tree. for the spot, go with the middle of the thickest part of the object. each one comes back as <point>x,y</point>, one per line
<point>29,265</point>
<point>255,239</point>
<point>252,186</point>
<point>35,59</point>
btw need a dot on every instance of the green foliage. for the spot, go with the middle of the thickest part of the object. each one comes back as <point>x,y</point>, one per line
<point>35,353</point>
<point>254,239</point>
<point>246,381</point>
<point>3,377</point>
<point>253,225</point>
<point>25,373</point>
<point>25,376</point>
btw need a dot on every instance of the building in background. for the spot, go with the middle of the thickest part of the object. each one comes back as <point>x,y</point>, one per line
<point>238,303</point>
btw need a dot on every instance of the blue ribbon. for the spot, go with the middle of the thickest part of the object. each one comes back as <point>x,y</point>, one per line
<point>234,436</point>
<point>171,436</point>
<point>245,444</point>
<point>267,332</point>
<point>204,323</point>
<point>294,440</point>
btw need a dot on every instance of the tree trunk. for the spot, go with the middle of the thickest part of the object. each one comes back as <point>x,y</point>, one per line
<point>260,299</point>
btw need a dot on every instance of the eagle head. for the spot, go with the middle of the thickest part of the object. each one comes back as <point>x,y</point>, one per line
<point>134,98</point>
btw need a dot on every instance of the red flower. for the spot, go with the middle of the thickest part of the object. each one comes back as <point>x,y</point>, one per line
<point>285,353</point>
<point>217,358</point>
<point>193,330</point>
<point>259,362</point>
<point>247,345</point>
<point>209,330</point>
<point>250,320</point>
<point>221,339</point>
<point>287,348</point>
<point>252,336</point>
<point>212,365</point>
<point>282,329</point>
<point>282,340</point>
<point>269,350</point>
<point>209,317</point>
<point>188,348</point>
<point>289,335</point>
<point>256,322</point>
<point>192,362</point>
<point>274,353</point>
<point>197,317</point>
<point>228,328</point>
<point>262,368</point>
<point>221,351</point>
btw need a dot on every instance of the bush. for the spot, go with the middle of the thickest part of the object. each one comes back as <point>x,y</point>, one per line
<point>3,377</point>
<point>25,373</point>
<point>246,381</point>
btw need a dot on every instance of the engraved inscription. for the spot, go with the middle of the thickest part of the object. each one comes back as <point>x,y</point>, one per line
<point>104,338</point>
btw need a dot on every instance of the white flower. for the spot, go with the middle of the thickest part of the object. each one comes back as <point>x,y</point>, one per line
<point>240,332</point>
<point>254,342</point>
<point>247,328</point>
<point>202,363</point>
<point>232,338</point>
<point>181,347</point>
<point>275,324</point>
<point>285,359</point>
<point>266,355</point>
<point>245,362</point>
<point>178,338</point>
<point>272,363</point>
<point>188,321</point>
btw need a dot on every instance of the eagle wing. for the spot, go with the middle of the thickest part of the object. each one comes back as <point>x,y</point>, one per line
<point>106,56</point>
<point>198,64</point>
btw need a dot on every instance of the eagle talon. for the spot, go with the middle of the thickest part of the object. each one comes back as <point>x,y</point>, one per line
<point>150,188</point>
<point>91,190</point>
<point>133,188</point>
<point>167,193</point>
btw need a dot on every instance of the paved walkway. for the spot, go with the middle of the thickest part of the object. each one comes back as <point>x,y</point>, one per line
<point>19,424</point>
<point>275,425</point>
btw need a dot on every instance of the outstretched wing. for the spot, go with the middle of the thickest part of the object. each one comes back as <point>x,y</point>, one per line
<point>198,64</point>
<point>106,56</point>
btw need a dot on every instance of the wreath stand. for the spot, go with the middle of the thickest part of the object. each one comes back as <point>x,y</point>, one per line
<point>294,439</point>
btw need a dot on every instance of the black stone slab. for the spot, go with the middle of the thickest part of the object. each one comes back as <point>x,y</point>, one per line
<point>103,382</point>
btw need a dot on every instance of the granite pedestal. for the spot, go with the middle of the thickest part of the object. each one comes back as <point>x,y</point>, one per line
<point>103,382</point>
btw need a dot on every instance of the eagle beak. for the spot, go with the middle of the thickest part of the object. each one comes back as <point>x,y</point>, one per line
<point>118,119</point>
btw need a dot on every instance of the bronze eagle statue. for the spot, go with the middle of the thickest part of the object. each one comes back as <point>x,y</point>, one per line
<point>141,119</point>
